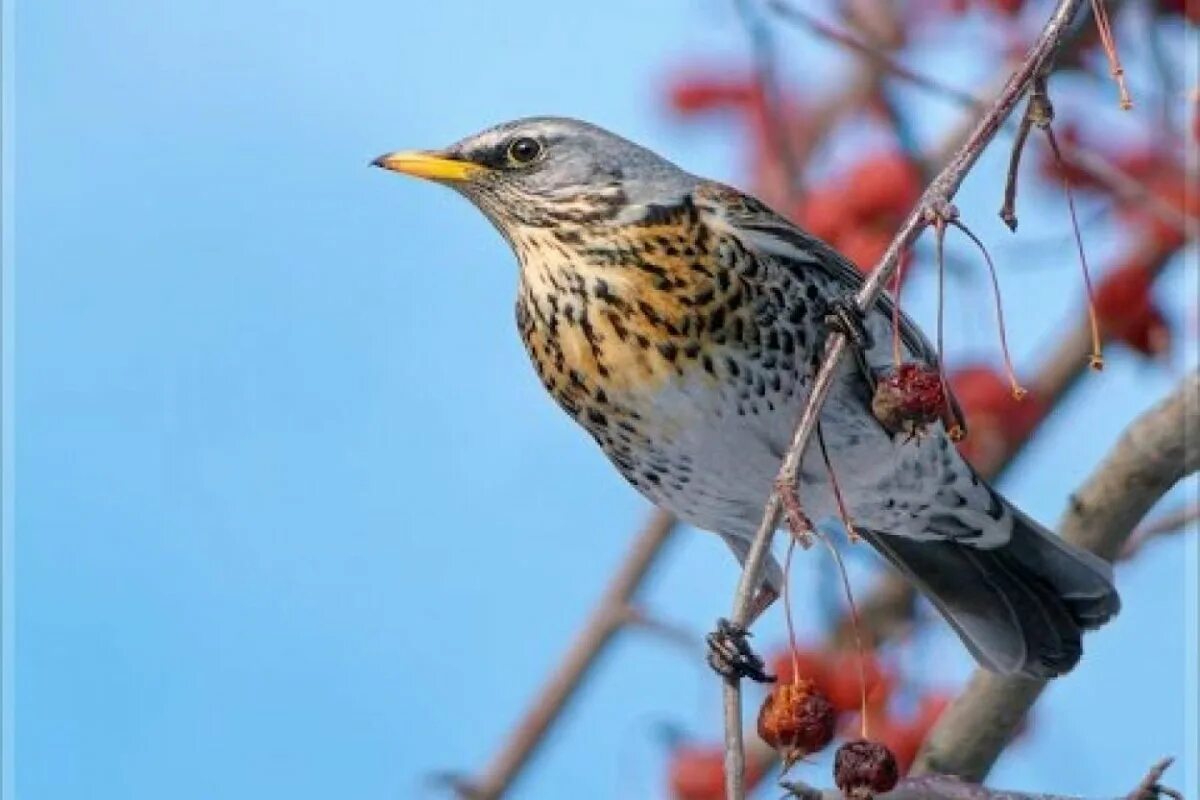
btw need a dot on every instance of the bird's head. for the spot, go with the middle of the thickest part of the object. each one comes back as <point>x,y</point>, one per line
<point>547,172</point>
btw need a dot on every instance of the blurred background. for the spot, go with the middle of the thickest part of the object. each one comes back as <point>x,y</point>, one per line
<point>295,518</point>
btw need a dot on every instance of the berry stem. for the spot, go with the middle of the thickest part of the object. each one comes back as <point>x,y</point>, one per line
<point>787,607</point>
<point>1096,359</point>
<point>1109,43</point>
<point>854,622</point>
<point>1018,391</point>
<point>939,229</point>
<point>897,281</point>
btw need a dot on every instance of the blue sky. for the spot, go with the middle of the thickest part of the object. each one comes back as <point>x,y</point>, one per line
<point>294,518</point>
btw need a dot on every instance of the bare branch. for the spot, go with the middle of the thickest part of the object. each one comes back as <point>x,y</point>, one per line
<point>1151,457</point>
<point>1180,521</point>
<point>1150,787</point>
<point>800,16</point>
<point>944,787</point>
<point>609,616</point>
<point>1038,114</point>
<point>1121,184</point>
<point>939,192</point>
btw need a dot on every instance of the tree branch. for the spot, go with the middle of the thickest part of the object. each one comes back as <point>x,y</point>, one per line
<point>1151,457</point>
<point>609,617</point>
<point>944,787</point>
<point>1122,185</point>
<point>936,196</point>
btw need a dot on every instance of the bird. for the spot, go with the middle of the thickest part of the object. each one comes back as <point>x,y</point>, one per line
<point>680,323</point>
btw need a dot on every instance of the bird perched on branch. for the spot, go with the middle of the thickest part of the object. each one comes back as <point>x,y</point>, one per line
<point>680,323</point>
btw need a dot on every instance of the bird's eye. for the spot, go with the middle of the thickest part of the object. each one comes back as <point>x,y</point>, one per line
<point>524,150</point>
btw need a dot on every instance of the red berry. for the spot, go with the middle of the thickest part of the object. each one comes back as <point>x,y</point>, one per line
<point>694,94</point>
<point>1128,313</point>
<point>862,769</point>
<point>884,186</point>
<point>1008,7</point>
<point>796,719</point>
<point>909,398</point>
<point>1182,8</point>
<point>824,214</point>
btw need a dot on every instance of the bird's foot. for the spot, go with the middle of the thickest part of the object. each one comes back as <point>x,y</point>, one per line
<point>845,317</point>
<point>842,315</point>
<point>798,523</point>
<point>730,654</point>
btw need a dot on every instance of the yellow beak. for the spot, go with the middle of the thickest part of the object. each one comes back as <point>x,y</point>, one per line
<point>431,166</point>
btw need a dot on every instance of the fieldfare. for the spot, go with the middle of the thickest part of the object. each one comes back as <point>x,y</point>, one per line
<point>680,322</point>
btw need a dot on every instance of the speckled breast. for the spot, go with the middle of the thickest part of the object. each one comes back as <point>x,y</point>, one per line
<point>678,351</point>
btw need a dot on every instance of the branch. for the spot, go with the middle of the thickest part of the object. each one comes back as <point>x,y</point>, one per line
<point>1179,521</point>
<point>609,617</point>
<point>1151,457</point>
<point>943,787</point>
<point>1122,185</point>
<point>936,196</point>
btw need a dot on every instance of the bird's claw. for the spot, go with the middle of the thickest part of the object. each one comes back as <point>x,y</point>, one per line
<point>843,316</point>
<point>729,653</point>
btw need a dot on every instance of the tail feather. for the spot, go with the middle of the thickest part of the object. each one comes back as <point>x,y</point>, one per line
<point>1019,608</point>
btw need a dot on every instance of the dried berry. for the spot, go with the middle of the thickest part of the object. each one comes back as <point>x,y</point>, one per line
<point>862,769</point>
<point>796,719</point>
<point>909,398</point>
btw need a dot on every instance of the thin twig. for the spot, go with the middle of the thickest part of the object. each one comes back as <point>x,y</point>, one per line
<point>1096,358</point>
<point>1008,211</point>
<point>940,191</point>
<point>1018,391</point>
<point>1150,787</point>
<point>800,16</point>
<point>1038,113</point>
<point>1181,521</point>
<point>1120,183</point>
<point>1109,42</point>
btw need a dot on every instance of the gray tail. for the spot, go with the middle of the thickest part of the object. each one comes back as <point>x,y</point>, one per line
<point>1020,608</point>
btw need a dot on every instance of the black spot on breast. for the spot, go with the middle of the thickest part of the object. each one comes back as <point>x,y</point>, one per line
<point>798,312</point>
